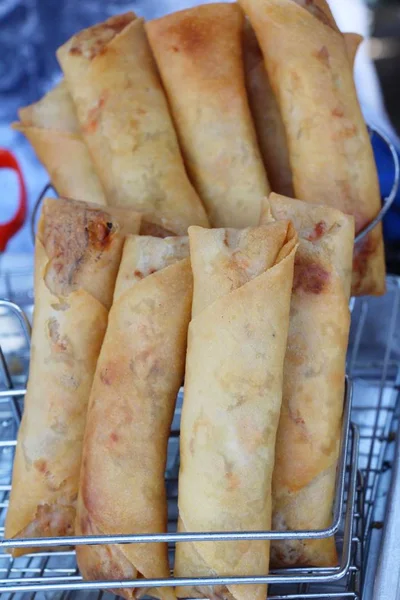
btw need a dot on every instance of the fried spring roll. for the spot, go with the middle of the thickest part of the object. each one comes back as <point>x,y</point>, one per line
<point>125,120</point>
<point>199,54</point>
<point>267,117</point>
<point>132,402</point>
<point>52,128</point>
<point>266,114</point>
<point>233,392</point>
<point>309,431</point>
<point>330,152</point>
<point>78,250</point>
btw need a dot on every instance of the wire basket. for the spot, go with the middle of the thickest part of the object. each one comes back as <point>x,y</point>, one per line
<point>360,492</point>
<point>343,514</point>
<point>376,374</point>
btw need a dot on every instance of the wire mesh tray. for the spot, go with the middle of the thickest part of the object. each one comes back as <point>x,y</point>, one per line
<point>343,513</point>
<point>375,370</point>
<point>374,366</point>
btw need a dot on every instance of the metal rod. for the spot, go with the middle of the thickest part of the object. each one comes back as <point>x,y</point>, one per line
<point>212,536</point>
<point>388,201</point>
<point>307,575</point>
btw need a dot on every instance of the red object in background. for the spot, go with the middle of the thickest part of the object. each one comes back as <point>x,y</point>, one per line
<point>8,229</point>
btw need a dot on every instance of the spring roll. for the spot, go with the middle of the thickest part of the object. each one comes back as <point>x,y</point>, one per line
<point>233,391</point>
<point>329,148</point>
<point>267,117</point>
<point>78,250</point>
<point>138,375</point>
<point>52,128</point>
<point>125,120</point>
<point>309,430</point>
<point>266,114</point>
<point>199,54</point>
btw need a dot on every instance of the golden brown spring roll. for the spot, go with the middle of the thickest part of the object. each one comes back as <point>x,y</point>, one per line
<point>78,250</point>
<point>309,431</point>
<point>330,152</point>
<point>125,120</point>
<point>266,114</point>
<point>267,117</point>
<point>199,54</point>
<point>52,128</point>
<point>232,399</point>
<point>138,375</point>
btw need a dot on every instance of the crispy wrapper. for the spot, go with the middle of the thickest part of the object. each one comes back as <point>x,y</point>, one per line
<point>267,117</point>
<point>199,54</point>
<point>78,250</point>
<point>309,431</point>
<point>138,375</point>
<point>329,148</point>
<point>232,400</point>
<point>266,114</point>
<point>125,120</point>
<point>52,128</point>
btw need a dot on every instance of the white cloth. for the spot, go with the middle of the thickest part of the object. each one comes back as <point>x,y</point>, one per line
<point>353,15</point>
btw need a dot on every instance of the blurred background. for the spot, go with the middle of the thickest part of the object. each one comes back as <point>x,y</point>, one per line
<point>32,30</point>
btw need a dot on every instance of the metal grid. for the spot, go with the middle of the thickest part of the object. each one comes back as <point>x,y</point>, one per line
<point>59,578</point>
<point>375,369</point>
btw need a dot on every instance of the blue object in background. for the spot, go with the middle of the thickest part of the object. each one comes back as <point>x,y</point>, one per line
<point>384,161</point>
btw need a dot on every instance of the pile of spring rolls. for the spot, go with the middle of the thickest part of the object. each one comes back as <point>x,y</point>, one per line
<point>213,167</point>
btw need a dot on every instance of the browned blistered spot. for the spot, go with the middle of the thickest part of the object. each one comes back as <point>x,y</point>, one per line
<point>40,465</point>
<point>99,232</point>
<point>94,113</point>
<point>75,51</point>
<point>345,133</point>
<point>309,277</point>
<point>59,344</point>
<point>318,232</point>
<point>323,56</point>
<point>93,41</point>
<point>190,34</point>
<point>141,275</point>
<point>338,112</point>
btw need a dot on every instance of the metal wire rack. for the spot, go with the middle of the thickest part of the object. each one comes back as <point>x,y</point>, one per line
<point>61,578</point>
<point>361,493</point>
<point>375,369</point>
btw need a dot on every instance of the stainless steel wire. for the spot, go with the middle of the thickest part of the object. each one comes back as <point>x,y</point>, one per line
<point>56,572</point>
